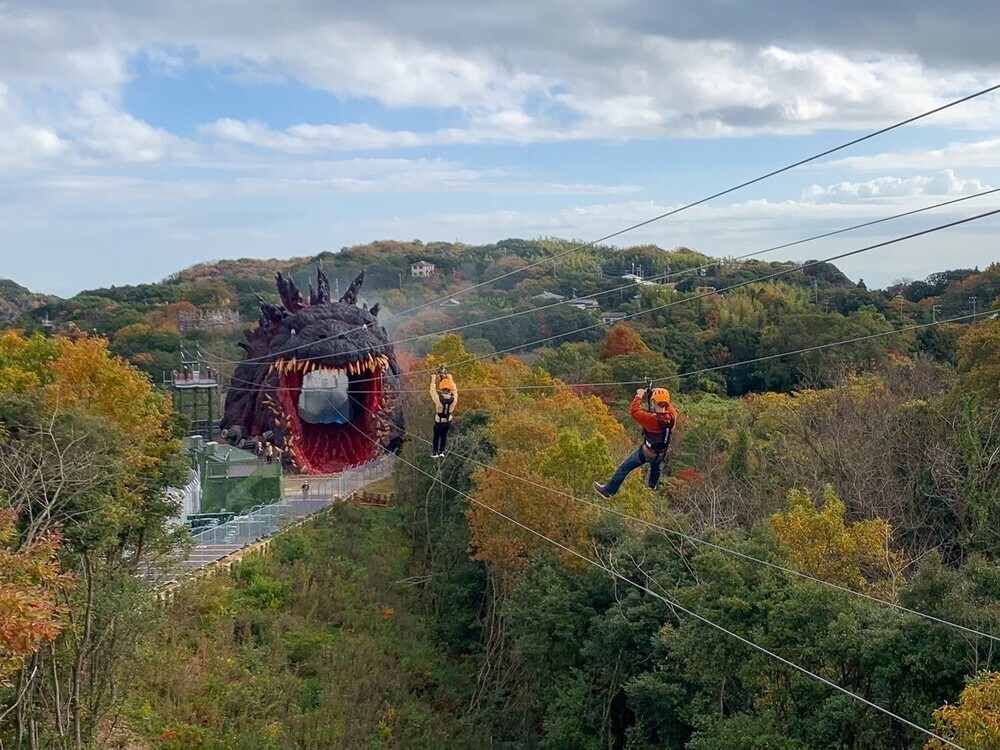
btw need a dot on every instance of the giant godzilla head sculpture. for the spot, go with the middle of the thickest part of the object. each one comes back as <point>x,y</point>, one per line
<point>319,380</point>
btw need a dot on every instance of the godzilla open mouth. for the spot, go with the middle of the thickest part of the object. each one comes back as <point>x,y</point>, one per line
<point>329,413</point>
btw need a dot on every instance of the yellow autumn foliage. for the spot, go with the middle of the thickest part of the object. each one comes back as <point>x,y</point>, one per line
<point>974,721</point>
<point>822,544</point>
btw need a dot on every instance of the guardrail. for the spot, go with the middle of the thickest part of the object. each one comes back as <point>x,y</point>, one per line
<point>233,539</point>
<point>263,520</point>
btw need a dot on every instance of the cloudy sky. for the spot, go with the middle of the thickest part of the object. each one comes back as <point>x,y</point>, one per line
<point>139,138</point>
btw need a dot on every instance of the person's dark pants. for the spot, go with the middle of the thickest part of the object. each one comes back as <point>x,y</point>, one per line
<point>634,460</point>
<point>440,436</point>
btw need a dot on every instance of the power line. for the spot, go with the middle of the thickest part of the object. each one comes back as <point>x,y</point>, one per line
<point>719,194</point>
<point>699,202</point>
<point>702,371</point>
<point>768,277</point>
<point>675,605</point>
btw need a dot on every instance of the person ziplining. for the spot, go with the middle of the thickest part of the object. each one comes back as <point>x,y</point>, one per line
<point>657,423</point>
<point>444,394</point>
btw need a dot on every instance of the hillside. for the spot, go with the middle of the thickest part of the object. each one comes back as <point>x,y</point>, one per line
<point>16,301</point>
<point>817,304</point>
<point>831,495</point>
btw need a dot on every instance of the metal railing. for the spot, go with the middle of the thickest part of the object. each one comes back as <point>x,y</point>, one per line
<point>264,520</point>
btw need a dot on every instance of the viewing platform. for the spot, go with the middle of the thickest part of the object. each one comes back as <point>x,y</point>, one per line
<point>193,379</point>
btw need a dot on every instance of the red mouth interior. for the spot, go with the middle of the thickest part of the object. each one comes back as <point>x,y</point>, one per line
<point>329,448</point>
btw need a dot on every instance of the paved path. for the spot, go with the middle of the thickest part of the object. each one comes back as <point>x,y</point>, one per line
<point>218,542</point>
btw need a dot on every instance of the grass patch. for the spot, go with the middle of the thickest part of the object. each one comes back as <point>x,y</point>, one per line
<point>313,646</point>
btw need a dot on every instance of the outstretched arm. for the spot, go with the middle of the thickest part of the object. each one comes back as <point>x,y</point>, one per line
<point>434,392</point>
<point>641,416</point>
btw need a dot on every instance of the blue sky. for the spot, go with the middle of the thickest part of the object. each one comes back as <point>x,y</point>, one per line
<point>138,139</point>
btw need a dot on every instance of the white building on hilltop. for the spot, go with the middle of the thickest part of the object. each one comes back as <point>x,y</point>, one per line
<point>422,269</point>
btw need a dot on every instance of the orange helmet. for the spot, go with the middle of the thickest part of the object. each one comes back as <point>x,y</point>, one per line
<point>447,384</point>
<point>660,396</point>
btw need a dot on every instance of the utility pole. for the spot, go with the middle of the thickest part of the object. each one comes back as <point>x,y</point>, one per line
<point>815,287</point>
<point>972,301</point>
<point>934,312</point>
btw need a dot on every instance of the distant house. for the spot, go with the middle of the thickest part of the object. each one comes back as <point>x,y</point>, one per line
<point>609,318</point>
<point>421,269</point>
<point>450,302</point>
<point>550,295</point>
<point>584,303</point>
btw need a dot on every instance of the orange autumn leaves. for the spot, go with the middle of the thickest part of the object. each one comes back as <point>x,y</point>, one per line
<point>973,722</point>
<point>551,442</point>
<point>64,375</point>
<point>30,586</point>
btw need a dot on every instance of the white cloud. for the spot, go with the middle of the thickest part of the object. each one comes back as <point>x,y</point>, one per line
<point>105,132</point>
<point>362,61</point>
<point>310,139</point>
<point>79,47</point>
<point>945,183</point>
<point>293,180</point>
<point>976,154</point>
<point>24,146</point>
<point>506,79</point>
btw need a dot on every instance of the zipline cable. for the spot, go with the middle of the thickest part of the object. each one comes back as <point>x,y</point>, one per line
<point>699,202</point>
<point>681,273</point>
<point>675,605</point>
<point>687,300</point>
<point>706,543</point>
<point>715,368</point>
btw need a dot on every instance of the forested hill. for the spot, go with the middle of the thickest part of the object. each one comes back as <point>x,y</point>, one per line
<point>831,495</point>
<point>16,301</point>
<point>730,318</point>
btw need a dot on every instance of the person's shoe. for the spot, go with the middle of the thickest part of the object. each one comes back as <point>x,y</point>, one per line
<point>599,489</point>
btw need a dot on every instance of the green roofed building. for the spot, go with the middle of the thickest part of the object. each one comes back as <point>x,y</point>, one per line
<point>232,479</point>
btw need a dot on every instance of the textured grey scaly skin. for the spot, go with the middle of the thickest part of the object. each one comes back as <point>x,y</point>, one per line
<point>302,335</point>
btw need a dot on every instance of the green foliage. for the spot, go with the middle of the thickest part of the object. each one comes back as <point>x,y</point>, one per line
<point>313,646</point>
<point>442,625</point>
